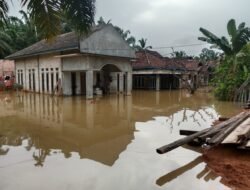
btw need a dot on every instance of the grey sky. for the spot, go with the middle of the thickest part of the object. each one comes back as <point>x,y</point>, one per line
<point>171,22</point>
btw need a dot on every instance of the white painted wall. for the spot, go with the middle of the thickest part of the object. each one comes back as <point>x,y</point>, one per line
<point>37,64</point>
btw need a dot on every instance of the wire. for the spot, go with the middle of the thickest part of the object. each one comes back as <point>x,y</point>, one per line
<point>178,46</point>
<point>154,48</point>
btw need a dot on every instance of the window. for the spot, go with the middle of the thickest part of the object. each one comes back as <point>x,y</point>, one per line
<point>47,79</point>
<point>57,75</point>
<point>29,79</point>
<point>21,77</point>
<point>34,79</point>
<point>52,78</point>
<point>42,77</point>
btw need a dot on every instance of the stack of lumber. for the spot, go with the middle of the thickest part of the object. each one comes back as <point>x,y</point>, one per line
<point>235,130</point>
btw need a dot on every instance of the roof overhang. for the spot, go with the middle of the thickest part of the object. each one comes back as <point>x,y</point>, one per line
<point>42,53</point>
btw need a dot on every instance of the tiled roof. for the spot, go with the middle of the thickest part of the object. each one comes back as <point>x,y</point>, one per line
<point>63,42</point>
<point>68,41</point>
<point>147,59</point>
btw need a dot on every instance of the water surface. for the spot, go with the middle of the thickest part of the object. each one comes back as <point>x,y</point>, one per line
<point>108,143</point>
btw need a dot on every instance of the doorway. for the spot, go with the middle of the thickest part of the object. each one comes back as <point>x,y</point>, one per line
<point>83,83</point>
<point>73,83</point>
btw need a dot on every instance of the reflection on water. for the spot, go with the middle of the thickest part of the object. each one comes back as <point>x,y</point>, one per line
<point>107,143</point>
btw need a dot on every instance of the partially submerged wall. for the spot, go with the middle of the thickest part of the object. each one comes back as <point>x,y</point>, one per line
<point>7,67</point>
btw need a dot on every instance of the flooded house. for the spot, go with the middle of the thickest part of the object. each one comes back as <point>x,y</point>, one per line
<point>153,71</point>
<point>94,63</point>
<point>7,68</point>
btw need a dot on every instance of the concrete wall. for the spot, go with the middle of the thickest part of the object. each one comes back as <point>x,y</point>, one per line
<point>35,66</point>
<point>6,67</point>
<point>85,63</point>
<point>106,41</point>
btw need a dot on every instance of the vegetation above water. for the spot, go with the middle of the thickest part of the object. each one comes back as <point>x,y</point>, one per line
<point>234,67</point>
<point>47,15</point>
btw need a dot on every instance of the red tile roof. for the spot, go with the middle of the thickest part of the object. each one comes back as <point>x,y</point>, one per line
<point>147,59</point>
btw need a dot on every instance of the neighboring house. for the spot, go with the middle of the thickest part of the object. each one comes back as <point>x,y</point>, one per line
<point>99,62</point>
<point>7,67</point>
<point>153,71</point>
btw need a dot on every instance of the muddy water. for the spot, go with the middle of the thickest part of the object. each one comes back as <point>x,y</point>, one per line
<point>108,143</point>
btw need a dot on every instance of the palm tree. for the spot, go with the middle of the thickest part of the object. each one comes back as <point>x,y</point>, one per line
<point>125,34</point>
<point>102,21</point>
<point>179,54</point>
<point>143,44</point>
<point>5,48</point>
<point>239,37</point>
<point>4,8</point>
<point>47,14</point>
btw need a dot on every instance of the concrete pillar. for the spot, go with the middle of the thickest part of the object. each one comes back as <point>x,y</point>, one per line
<point>27,79</point>
<point>121,82</point>
<point>50,87</point>
<point>129,83</point>
<point>158,83</point>
<point>180,83</point>
<point>66,83</point>
<point>89,84</point>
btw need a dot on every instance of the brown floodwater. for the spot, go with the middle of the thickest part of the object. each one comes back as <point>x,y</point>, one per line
<point>108,143</point>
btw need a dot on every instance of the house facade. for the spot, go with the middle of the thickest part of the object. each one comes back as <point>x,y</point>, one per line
<point>97,63</point>
<point>7,67</point>
<point>153,71</point>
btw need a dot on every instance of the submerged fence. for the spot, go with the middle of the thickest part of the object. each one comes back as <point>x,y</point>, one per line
<point>242,95</point>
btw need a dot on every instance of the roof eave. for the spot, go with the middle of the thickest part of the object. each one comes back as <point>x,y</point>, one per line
<point>41,53</point>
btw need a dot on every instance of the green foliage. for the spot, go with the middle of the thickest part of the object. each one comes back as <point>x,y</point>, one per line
<point>229,78</point>
<point>17,86</point>
<point>125,34</point>
<point>4,8</point>
<point>234,68</point>
<point>208,55</point>
<point>17,34</point>
<point>179,54</point>
<point>5,48</point>
<point>47,15</point>
<point>239,37</point>
<point>143,44</point>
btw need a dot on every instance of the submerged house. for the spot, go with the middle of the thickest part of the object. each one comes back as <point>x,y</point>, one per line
<point>153,71</point>
<point>70,65</point>
<point>7,67</point>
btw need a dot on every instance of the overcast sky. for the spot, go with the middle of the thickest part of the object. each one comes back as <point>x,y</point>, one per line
<point>171,22</point>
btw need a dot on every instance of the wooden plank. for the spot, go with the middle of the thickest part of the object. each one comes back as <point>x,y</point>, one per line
<point>233,138</point>
<point>180,142</point>
<point>248,144</point>
<point>217,128</point>
<point>187,132</point>
<point>218,138</point>
<point>233,121</point>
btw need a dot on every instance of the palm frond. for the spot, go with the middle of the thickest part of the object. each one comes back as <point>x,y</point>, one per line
<point>80,13</point>
<point>231,28</point>
<point>4,8</point>
<point>46,16</point>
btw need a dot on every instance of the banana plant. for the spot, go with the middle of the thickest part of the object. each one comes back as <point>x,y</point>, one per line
<point>239,37</point>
